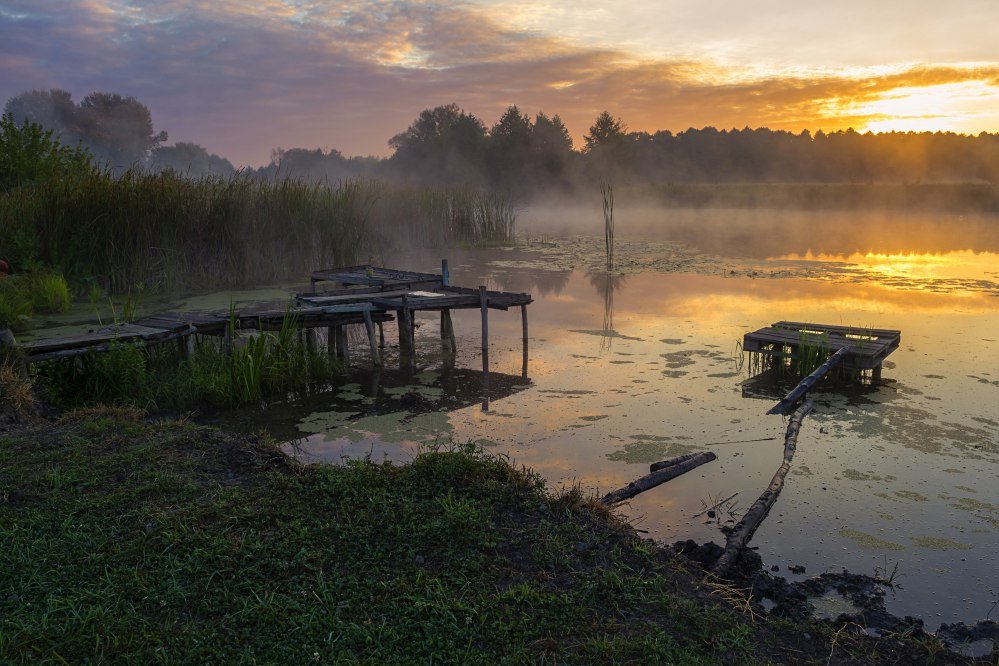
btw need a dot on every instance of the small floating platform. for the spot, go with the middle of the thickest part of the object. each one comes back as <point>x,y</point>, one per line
<point>867,348</point>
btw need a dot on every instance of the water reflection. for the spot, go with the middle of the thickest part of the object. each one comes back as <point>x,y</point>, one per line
<point>607,283</point>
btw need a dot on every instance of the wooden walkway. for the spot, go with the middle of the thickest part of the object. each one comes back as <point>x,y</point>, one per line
<point>867,348</point>
<point>367,295</point>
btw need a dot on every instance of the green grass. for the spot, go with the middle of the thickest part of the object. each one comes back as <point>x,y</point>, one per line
<point>171,542</point>
<point>259,365</point>
<point>130,540</point>
<point>23,295</point>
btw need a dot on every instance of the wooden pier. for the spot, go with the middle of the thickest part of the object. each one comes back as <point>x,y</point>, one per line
<point>367,295</point>
<point>866,348</point>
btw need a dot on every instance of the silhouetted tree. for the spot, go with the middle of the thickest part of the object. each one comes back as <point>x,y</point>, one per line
<point>606,131</point>
<point>189,159</point>
<point>551,147</point>
<point>117,130</point>
<point>443,144</point>
<point>509,149</point>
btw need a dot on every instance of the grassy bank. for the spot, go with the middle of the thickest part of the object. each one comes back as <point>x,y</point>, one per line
<point>126,539</point>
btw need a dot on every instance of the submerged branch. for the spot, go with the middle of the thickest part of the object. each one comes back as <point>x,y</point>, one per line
<point>744,530</point>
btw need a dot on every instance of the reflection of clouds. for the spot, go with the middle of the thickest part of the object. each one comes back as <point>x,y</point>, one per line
<point>349,75</point>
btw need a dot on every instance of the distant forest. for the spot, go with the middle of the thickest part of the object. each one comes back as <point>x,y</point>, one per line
<point>529,156</point>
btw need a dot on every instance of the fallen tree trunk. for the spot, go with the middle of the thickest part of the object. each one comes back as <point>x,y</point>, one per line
<point>798,392</point>
<point>656,466</point>
<point>658,477</point>
<point>744,530</point>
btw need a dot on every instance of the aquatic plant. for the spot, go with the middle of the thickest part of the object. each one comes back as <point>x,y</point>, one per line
<point>607,193</point>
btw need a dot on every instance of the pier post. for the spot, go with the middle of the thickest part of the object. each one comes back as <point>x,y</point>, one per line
<point>341,345</point>
<point>370,328</point>
<point>448,344</point>
<point>331,342</point>
<point>407,355</point>
<point>523,321</point>
<point>484,307</point>
<point>381,336</point>
<point>876,373</point>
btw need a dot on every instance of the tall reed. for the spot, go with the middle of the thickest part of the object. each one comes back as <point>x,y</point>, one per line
<point>607,193</point>
<point>165,232</point>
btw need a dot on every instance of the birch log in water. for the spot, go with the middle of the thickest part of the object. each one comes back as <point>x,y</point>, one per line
<point>640,485</point>
<point>743,532</point>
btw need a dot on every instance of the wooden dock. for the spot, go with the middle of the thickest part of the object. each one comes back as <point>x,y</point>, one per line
<point>866,348</point>
<point>368,295</point>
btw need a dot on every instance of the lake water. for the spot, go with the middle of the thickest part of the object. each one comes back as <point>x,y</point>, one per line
<point>643,363</point>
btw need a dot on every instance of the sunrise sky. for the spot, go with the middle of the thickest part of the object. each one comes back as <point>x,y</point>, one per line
<point>241,78</point>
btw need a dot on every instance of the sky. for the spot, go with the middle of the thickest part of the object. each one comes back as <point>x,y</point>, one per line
<point>242,78</point>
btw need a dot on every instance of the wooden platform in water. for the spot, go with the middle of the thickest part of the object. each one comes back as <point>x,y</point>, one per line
<point>367,295</point>
<point>389,289</point>
<point>867,347</point>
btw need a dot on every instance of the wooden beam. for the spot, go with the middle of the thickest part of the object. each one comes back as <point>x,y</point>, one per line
<point>798,392</point>
<point>675,468</point>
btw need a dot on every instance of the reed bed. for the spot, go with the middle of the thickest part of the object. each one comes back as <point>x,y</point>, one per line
<point>163,232</point>
<point>442,216</point>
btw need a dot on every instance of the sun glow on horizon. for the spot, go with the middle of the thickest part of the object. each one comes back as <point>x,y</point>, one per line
<point>949,107</point>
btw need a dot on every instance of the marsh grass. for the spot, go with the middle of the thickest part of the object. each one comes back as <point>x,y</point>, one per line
<point>442,216</point>
<point>257,366</point>
<point>174,234</point>
<point>26,294</point>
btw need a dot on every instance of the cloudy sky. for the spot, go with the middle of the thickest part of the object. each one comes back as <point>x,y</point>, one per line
<point>241,78</point>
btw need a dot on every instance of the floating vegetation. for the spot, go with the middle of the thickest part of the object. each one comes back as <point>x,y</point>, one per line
<point>939,543</point>
<point>869,541</point>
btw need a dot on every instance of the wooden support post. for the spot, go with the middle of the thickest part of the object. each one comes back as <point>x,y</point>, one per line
<point>484,307</point>
<point>448,345</point>
<point>370,328</point>
<point>341,345</point>
<point>445,273</point>
<point>876,373</point>
<point>407,354</point>
<point>310,340</point>
<point>381,336</point>
<point>331,342</point>
<point>523,322</point>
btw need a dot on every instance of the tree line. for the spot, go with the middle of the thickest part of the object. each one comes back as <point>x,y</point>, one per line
<point>521,154</point>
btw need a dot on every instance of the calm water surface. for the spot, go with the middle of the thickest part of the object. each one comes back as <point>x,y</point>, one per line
<point>642,363</point>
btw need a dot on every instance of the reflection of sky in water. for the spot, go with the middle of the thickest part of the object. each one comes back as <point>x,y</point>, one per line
<point>642,365</point>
